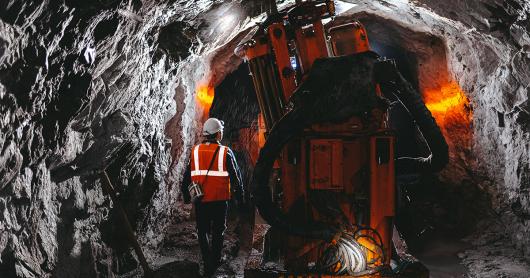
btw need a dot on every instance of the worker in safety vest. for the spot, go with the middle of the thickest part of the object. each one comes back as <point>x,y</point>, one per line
<point>223,178</point>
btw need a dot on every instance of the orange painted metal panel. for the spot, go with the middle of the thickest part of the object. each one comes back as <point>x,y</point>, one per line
<point>382,189</point>
<point>336,165</point>
<point>278,38</point>
<point>259,48</point>
<point>349,39</point>
<point>311,44</point>
<point>354,158</point>
<point>262,129</point>
<point>326,164</point>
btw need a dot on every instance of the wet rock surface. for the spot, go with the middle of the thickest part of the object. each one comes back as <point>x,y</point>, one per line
<point>86,85</point>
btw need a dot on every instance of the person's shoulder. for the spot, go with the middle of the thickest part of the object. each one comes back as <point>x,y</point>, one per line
<point>221,145</point>
<point>228,149</point>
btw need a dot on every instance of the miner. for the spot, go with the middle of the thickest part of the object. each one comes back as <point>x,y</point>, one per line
<point>211,178</point>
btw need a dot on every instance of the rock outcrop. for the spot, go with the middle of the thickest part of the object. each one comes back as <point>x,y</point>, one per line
<point>85,86</point>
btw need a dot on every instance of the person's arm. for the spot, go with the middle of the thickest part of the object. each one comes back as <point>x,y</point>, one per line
<point>184,185</point>
<point>235,177</point>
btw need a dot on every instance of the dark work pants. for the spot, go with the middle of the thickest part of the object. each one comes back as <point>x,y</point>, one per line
<point>211,220</point>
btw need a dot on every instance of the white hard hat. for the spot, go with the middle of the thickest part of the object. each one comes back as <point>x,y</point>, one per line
<point>212,126</point>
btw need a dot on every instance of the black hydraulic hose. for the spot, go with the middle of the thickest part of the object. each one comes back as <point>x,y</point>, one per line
<point>411,99</point>
<point>337,89</point>
<point>289,125</point>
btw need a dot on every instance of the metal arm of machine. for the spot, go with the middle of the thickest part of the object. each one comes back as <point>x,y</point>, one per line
<point>336,89</point>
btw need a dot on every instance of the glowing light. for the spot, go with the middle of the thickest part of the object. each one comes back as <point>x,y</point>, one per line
<point>373,252</point>
<point>448,104</point>
<point>293,62</point>
<point>227,22</point>
<point>452,98</point>
<point>204,96</point>
<point>445,104</point>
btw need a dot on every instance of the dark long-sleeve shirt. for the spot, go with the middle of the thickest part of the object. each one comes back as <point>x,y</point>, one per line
<point>234,173</point>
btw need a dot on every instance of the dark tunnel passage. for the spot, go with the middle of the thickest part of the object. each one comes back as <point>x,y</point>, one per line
<point>235,103</point>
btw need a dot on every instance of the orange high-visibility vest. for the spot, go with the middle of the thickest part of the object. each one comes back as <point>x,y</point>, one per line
<point>217,186</point>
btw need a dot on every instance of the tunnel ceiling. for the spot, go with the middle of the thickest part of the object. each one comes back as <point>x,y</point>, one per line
<point>86,85</point>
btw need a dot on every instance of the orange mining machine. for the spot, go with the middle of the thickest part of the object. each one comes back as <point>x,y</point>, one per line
<point>324,181</point>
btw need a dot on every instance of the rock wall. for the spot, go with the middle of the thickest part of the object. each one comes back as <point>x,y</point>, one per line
<point>86,85</point>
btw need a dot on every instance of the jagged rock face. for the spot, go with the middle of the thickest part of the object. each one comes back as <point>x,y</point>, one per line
<point>86,85</point>
<point>92,84</point>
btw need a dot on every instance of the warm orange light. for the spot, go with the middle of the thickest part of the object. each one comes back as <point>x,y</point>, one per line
<point>205,96</point>
<point>374,254</point>
<point>448,104</point>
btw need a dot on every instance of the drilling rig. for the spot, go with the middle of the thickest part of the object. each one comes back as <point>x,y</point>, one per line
<point>325,177</point>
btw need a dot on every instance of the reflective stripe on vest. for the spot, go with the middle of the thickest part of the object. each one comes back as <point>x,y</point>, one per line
<point>221,160</point>
<point>211,173</point>
<point>216,186</point>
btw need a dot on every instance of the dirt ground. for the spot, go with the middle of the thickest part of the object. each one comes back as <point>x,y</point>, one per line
<point>485,254</point>
<point>488,253</point>
<point>180,254</point>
